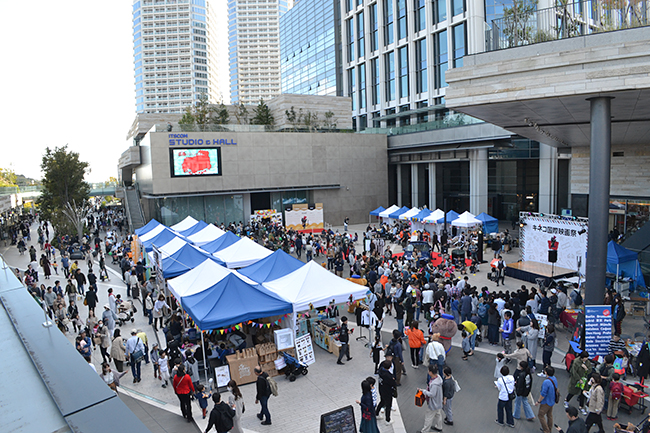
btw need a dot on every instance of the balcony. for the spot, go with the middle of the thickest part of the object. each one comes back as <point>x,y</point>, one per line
<point>529,26</point>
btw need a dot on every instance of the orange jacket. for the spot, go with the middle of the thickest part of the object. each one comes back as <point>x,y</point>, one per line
<point>416,338</point>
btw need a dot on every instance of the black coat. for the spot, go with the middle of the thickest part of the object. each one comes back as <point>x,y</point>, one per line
<point>386,382</point>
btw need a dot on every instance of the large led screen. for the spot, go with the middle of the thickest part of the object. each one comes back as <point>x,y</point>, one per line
<point>195,161</point>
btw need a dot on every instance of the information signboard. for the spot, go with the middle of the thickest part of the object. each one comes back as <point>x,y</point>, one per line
<point>305,349</point>
<point>338,421</point>
<point>598,329</point>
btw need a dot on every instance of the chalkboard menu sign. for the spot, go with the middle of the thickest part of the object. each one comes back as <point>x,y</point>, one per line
<point>338,421</point>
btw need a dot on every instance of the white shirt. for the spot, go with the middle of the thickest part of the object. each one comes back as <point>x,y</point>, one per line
<point>427,296</point>
<point>164,364</point>
<point>435,349</point>
<point>506,385</point>
<point>500,304</point>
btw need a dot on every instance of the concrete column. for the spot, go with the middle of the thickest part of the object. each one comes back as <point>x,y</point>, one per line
<point>547,178</point>
<point>247,207</point>
<point>478,181</point>
<point>399,185</point>
<point>599,178</point>
<point>432,186</point>
<point>415,186</point>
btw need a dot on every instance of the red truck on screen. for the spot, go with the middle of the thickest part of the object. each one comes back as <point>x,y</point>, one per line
<point>198,164</point>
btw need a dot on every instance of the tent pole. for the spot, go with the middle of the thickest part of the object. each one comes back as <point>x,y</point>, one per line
<point>206,363</point>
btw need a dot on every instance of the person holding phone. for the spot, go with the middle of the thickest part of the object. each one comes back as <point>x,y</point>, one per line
<point>576,425</point>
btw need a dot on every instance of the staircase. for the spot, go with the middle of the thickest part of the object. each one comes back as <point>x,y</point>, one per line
<point>133,208</point>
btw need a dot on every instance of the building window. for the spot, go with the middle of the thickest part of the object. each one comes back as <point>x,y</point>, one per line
<point>405,120</point>
<point>403,72</point>
<point>420,15</point>
<point>363,122</point>
<point>423,117</point>
<point>392,121</point>
<point>349,5</point>
<point>374,71</point>
<point>360,32</point>
<point>376,123</point>
<point>374,34</point>
<point>441,59</point>
<point>421,66</point>
<point>402,26</point>
<point>459,44</point>
<point>439,11</point>
<point>388,22</point>
<point>362,86</point>
<point>352,88</point>
<point>458,6</point>
<point>389,66</point>
<point>350,33</point>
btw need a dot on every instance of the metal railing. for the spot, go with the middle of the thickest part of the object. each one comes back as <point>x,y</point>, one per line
<point>230,127</point>
<point>526,26</point>
<point>451,120</point>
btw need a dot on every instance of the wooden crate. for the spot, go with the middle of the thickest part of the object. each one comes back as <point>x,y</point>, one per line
<point>242,369</point>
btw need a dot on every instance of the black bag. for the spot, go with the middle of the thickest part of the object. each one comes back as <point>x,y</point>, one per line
<point>224,420</point>
<point>511,395</point>
<point>394,392</point>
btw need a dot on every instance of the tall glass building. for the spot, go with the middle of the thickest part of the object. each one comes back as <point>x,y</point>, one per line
<point>308,55</point>
<point>175,54</point>
<point>254,49</point>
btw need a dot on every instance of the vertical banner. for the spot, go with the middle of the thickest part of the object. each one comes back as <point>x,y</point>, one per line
<point>598,329</point>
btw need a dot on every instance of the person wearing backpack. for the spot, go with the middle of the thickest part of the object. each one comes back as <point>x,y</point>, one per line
<point>615,395</point>
<point>547,399</point>
<point>221,416</point>
<point>578,376</point>
<point>523,386</point>
<point>263,394</point>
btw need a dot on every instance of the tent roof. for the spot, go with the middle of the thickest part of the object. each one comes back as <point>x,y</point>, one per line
<point>387,212</point>
<point>221,242</point>
<point>275,266</point>
<point>466,219</point>
<point>485,217</point>
<point>409,213</point>
<point>184,225</point>
<point>184,260</point>
<point>619,254</point>
<point>201,278</point>
<point>231,301</point>
<point>377,211</point>
<point>160,239</point>
<point>208,234</point>
<point>172,246</point>
<point>451,216</point>
<point>242,253</point>
<point>153,232</point>
<point>147,227</point>
<point>313,284</point>
<point>397,213</point>
<point>435,216</point>
<point>422,215</point>
<point>195,228</point>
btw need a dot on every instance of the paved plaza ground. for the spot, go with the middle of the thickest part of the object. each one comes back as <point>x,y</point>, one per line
<point>329,386</point>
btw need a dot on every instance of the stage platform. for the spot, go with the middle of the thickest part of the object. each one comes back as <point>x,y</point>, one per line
<point>530,271</point>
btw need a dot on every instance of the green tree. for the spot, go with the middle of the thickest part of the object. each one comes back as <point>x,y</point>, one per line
<point>221,115</point>
<point>293,117</point>
<point>518,27</point>
<point>188,120</point>
<point>7,177</point>
<point>203,112</point>
<point>311,121</point>
<point>241,113</point>
<point>63,180</point>
<point>263,115</point>
<point>329,123</point>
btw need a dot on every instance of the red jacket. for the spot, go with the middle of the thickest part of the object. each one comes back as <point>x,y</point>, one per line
<point>183,385</point>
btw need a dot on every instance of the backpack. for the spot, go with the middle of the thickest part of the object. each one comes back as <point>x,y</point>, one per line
<point>578,300</point>
<point>617,390</point>
<point>482,311</point>
<point>224,422</point>
<point>273,386</point>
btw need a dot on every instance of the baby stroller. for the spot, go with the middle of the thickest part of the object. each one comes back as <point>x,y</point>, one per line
<point>125,312</point>
<point>294,367</point>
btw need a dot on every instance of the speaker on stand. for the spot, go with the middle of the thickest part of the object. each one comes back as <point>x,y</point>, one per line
<point>552,258</point>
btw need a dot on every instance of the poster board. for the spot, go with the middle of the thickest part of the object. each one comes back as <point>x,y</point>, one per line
<point>305,349</point>
<point>305,218</point>
<point>538,230</point>
<point>338,421</point>
<point>542,319</point>
<point>267,214</point>
<point>157,261</point>
<point>598,329</point>
<point>222,373</point>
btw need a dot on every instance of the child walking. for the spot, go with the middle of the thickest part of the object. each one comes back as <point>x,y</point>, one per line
<point>164,368</point>
<point>203,396</point>
<point>448,391</point>
<point>500,362</point>
<point>376,352</point>
<point>615,394</point>
<point>466,344</point>
<point>155,357</point>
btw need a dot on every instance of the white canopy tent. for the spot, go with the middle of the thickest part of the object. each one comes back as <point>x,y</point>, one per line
<point>242,253</point>
<point>169,248</point>
<point>204,276</point>
<point>435,216</point>
<point>409,213</point>
<point>466,219</point>
<point>208,234</point>
<point>187,223</point>
<point>313,284</point>
<point>152,233</point>
<point>389,211</point>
